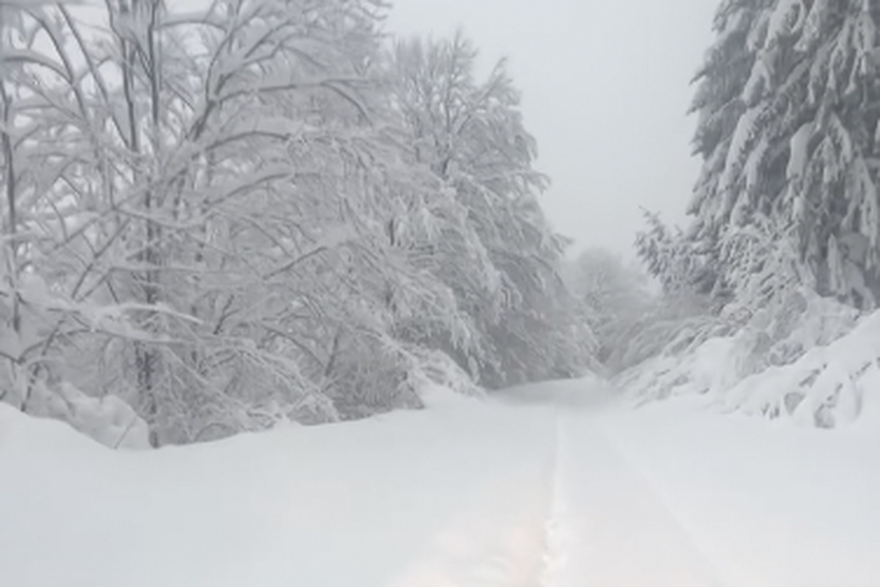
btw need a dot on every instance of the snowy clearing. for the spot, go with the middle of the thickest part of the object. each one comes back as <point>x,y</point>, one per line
<point>556,485</point>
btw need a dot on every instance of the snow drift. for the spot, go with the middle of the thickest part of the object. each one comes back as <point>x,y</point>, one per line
<point>809,359</point>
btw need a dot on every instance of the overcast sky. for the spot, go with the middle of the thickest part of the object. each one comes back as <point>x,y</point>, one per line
<point>605,89</point>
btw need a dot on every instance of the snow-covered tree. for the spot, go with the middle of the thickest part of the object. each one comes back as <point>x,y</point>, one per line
<point>229,217</point>
<point>209,194</point>
<point>677,263</point>
<point>499,255</point>
<point>788,124</point>
<point>614,296</point>
<point>43,155</point>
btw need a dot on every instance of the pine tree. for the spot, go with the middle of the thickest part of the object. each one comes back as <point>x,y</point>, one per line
<point>788,121</point>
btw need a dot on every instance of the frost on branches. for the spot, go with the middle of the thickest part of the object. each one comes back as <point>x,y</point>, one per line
<point>501,260</point>
<point>227,219</point>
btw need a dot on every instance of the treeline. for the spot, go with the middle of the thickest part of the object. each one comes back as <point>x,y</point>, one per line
<point>264,211</point>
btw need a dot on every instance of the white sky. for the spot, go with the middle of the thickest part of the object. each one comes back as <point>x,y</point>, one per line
<point>605,89</point>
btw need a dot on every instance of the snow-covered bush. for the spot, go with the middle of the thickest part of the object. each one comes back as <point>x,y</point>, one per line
<point>109,420</point>
<point>666,332</point>
<point>827,386</point>
<point>375,376</point>
<point>430,368</point>
<point>776,339</point>
<point>710,366</point>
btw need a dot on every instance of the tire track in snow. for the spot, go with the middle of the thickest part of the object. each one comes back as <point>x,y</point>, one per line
<point>619,531</point>
<point>557,532</point>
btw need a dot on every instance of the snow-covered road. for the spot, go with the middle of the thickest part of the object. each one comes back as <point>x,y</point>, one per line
<point>554,485</point>
<point>618,531</point>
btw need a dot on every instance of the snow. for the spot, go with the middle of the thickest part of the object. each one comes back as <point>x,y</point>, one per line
<point>378,502</point>
<point>837,383</point>
<point>799,148</point>
<point>787,16</point>
<point>768,504</point>
<point>560,484</point>
<point>808,359</point>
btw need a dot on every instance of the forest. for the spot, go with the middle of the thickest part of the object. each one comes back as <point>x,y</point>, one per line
<point>264,211</point>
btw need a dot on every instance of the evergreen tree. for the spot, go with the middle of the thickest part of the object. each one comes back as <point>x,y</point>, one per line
<point>788,121</point>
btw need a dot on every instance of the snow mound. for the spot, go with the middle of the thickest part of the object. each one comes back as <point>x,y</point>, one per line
<point>798,349</point>
<point>20,433</point>
<point>828,386</point>
<point>108,419</point>
<point>436,396</point>
<point>438,381</point>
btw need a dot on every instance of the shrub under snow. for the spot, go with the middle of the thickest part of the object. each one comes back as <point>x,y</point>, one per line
<point>108,419</point>
<point>826,387</point>
<point>806,357</point>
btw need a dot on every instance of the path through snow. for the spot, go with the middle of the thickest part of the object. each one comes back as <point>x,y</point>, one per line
<point>605,524</point>
<point>555,486</point>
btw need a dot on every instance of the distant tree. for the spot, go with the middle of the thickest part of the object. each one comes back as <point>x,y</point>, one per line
<point>614,296</point>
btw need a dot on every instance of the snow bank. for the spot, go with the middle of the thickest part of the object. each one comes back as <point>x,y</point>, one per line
<point>406,499</point>
<point>828,386</point>
<point>108,420</point>
<point>801,358</point>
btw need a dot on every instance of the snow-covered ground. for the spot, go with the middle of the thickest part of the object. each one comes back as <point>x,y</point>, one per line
<point>766,503</point>
<point>556,485</point>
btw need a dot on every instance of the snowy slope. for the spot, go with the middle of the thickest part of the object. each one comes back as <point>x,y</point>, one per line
<point>823,372</point>
<point>557,485</point>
